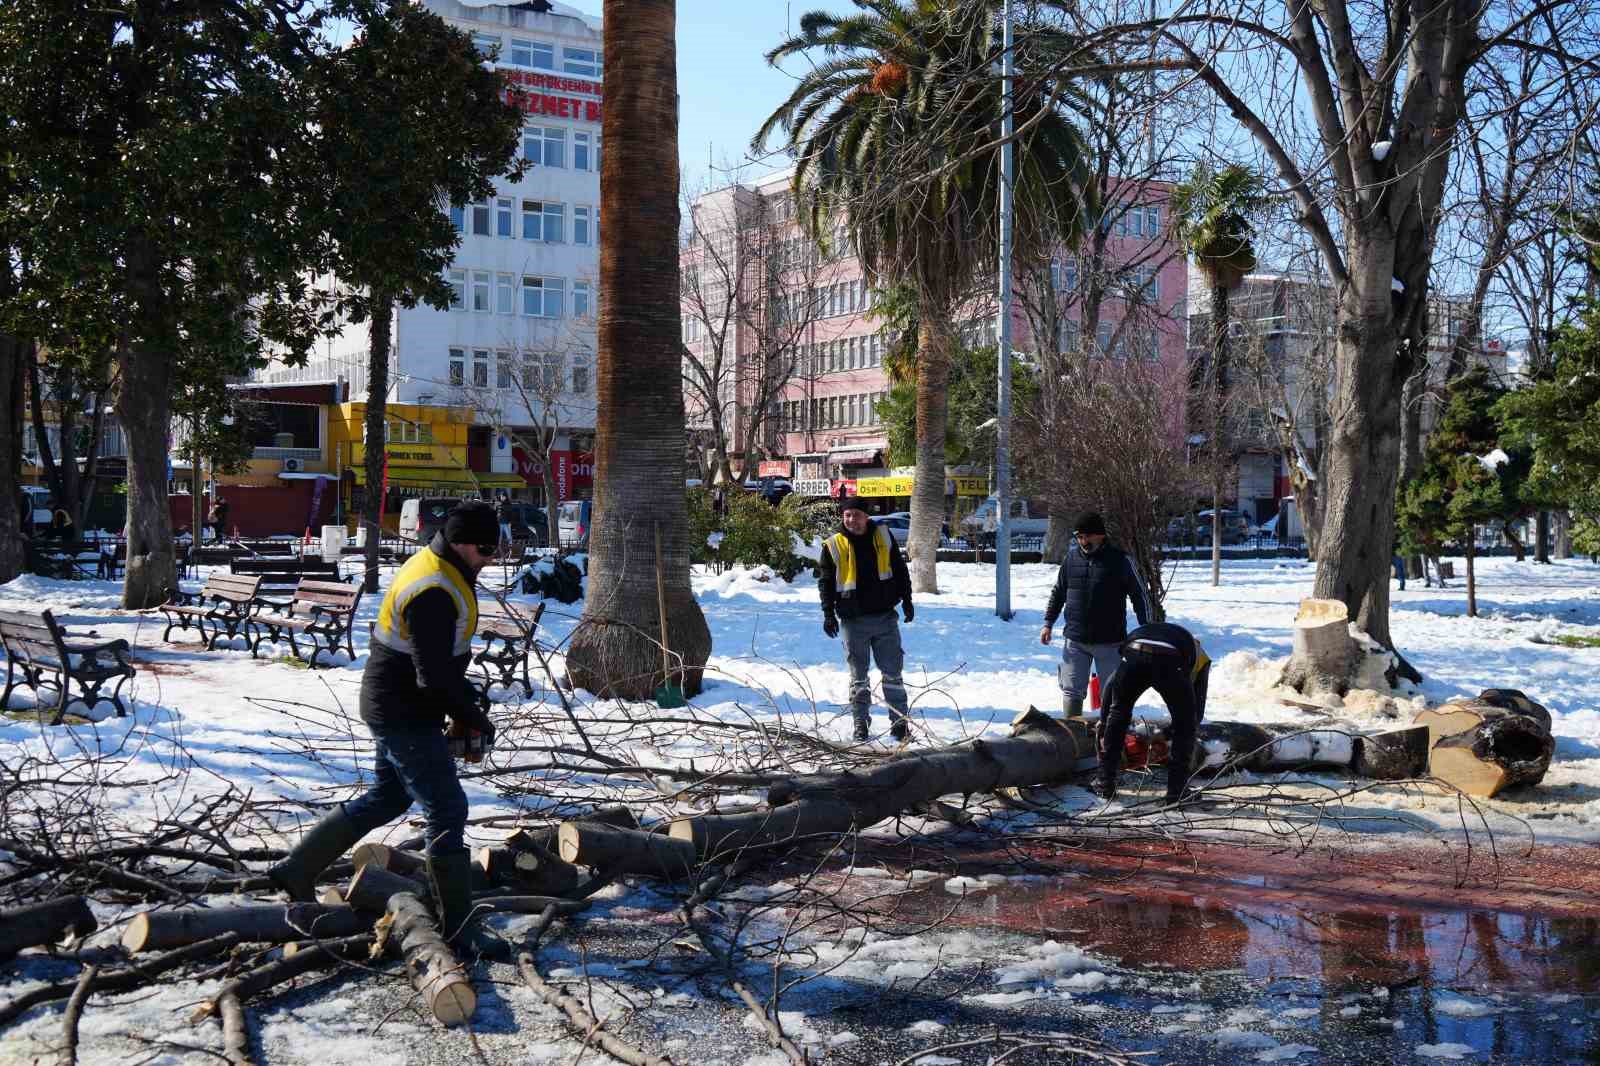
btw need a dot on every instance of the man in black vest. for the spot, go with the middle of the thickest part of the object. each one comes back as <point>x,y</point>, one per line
<point>1167,658</point>
<point>862,577</point>
<point>1093,587</point>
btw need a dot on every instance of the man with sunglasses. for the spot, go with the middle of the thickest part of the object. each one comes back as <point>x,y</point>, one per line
<point>1094,586</point>
<point>416,677</point>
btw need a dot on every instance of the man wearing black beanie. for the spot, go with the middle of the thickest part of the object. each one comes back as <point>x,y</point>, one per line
<point>416,677</point>
<point>1093,588</point>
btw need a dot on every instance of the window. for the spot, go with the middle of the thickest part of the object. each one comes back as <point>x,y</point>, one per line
<point>580,222</point>
<point>480,290</point>
<point>539,55</point>
<point>480,367</point>
<point>582,305</point>
<point>265,422</point>
<point>583,150</point>
<point>545,146</point>
<point>487,44</point>
<point>580,373</point>
<point>480,219</point>
<point>1152,220</point>
<point>543,221</point>
<point>550,373</point>
<point>543,297</point>
<point>458,289</point>
<point>458,218</point>
<point>1102,338</point>
<point>502,217</point>
<point>1064,275</point>
<point>585,61</point>
<point>502,370</point>
<point>505,294</point>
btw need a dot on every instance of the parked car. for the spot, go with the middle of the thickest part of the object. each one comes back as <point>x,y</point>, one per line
<point>1196,529</point>
<point>1024,521</point>
<point>1236,528</point>
<point>898,524</point>
<point>38,510</point>
<point>572,522</point>
<point>528,523</point>
<point>772,489</point>
<point>423,516</point>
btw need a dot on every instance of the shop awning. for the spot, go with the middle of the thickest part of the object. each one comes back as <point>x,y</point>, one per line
<point>443,477</point>
<point>853,456</point>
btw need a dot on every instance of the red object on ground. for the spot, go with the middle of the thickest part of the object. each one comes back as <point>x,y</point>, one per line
<point>1135,751</point>
<point>1094,693</point>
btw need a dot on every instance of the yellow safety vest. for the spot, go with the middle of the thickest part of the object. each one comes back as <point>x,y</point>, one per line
<point>1201,661</point>
<point>844,558</point>
<point>423,571</point>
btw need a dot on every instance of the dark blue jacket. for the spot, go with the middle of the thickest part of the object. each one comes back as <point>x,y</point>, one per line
<point>1094,590</point>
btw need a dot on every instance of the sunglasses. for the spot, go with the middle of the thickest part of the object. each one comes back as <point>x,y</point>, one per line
<point>488,549</point>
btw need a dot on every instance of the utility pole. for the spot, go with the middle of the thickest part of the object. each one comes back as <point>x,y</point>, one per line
<point>1002,447</point>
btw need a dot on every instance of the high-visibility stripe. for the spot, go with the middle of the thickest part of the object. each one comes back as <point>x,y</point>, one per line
<point>423,571</point>
<point>844,558</point>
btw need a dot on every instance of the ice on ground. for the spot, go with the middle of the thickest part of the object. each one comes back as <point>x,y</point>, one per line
<point>1445,1051</point>
<point>1457,1007</point>
<point>1286,1053</point>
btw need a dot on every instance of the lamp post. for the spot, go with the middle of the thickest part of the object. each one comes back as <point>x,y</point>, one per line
<point>1002,449</point>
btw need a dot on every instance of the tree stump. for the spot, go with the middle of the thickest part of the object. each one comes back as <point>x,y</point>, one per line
<point>1483,747</point>
<point>435,972</point>
<point>1325,656</point>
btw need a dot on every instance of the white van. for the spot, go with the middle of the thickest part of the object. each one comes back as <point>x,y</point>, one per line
<point>423,516</point>
<point>38,498</point>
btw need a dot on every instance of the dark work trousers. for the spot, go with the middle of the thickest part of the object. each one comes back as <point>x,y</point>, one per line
<point>1138,672</point>
<point>414,765</point>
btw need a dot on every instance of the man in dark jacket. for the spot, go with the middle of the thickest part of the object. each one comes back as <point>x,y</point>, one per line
<point>862,578</point>
<point>1093,588</point>
<point>1167,658</point>
<point>416,677</point>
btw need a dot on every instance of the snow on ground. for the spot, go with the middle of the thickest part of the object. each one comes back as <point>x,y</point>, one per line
<point>205,720</point>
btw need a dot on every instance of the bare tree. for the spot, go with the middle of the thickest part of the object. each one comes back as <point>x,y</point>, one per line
<point>743,326</point>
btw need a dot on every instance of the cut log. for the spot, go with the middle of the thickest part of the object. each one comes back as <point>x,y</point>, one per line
<point>1483,749</point>
<point>530,904</point>
<point>306,958</point>
<point>1040,750</point>
<point>371,887</point>
<point>531,869</point>
<point>235,1033</point>
<point>332,896</point>
<point>545,836</point>
<point>625,851</point>
<point>43,924</point>
<point>1325,655</point>
<point>271,923</point>
<point>395,860</point>
<point>1393,755</point>
<point>432,966</point>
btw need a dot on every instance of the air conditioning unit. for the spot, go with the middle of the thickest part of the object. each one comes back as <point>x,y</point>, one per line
<point>291,466</point>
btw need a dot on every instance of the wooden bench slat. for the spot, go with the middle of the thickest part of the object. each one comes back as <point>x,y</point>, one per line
<point>322,610</point>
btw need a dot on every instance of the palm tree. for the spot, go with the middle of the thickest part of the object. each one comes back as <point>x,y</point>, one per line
<point>893,131</point>
<point>639,431</point>
<point>1211,221</point>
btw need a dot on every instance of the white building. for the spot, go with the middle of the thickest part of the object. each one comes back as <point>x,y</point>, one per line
<point>518,343</point>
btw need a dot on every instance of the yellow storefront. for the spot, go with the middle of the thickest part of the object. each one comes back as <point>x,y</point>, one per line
<point>426,451</point>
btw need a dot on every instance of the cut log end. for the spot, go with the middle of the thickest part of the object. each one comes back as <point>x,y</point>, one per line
<point>454,1004</point>
<point>137,934</point>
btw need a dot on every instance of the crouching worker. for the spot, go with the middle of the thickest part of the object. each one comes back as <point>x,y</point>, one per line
<point>1167,658</point>
<point>862,578</point>
<point>416,676</point>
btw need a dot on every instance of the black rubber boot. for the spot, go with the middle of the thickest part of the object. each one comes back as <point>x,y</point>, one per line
<point>451,874</point>
<point>1072,706</point>
<point>900,729</point>
<point>1104,787</point>
<point>330,838</point>
<point>863,717</point>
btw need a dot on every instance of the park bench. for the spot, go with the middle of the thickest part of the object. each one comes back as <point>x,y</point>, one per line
<point>507,639</point>
<point>36,646</point>
<point>281,574</point>
<point>225,603</point>
<point>69,560</point>
<point>321,611</point>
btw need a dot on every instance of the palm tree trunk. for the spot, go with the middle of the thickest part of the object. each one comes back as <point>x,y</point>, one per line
<point>927,493</point>
<point>639,437</point>
<point>377,409</point>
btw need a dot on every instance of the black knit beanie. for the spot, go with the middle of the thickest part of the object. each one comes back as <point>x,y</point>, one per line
<point>472,522</point>
<point>1089,522</point>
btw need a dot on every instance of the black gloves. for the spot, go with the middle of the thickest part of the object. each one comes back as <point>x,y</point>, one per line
<point>830,623</point>
<point>907,611</point>
<point>473,712</point>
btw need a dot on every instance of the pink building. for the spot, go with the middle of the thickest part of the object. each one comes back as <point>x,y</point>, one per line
<point>808,308</point>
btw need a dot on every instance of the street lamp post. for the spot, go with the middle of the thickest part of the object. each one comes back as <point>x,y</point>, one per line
<point>1002,449</point>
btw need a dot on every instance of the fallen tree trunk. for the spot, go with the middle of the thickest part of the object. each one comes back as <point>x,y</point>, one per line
<point>44,924</point>
<point>1483,748</point>
<point>270,923</point>
<point>1039,750</point>
<point>433,968</point>
<point>545,838</point>
<point>626,851</point>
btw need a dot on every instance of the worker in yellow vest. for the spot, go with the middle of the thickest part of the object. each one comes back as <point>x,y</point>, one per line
<point>862,577</point>
<point>415,678</point>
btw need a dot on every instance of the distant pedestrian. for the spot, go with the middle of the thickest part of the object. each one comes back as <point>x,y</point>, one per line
<point>862,577</point>
<point>1093,587</point>
<point>1167,658</point>
<point>1399,566</point>
<point>219,518</point>
<point>503,512</point>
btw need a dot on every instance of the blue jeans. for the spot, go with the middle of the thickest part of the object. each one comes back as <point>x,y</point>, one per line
<point>1399,567</point>
<point>414,766</point>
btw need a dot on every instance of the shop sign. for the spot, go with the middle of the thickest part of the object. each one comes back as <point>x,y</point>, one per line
<point>774,468</point>
<point>884,486</point>
<point>573,470</point>
<point>814,486</point>
<point>400,454</point>
<point>554,106</point>
<point>967,486</point>
<point>843,486</point>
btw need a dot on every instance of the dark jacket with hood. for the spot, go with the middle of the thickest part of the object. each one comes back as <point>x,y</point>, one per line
<point>420,689</point>
<point>872,595</point>
<point>1094,590</point>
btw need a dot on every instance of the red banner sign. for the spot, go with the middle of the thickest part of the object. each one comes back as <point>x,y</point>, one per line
<point>572,470</point>
<point>535,80</point>
<point>554,106</point>
<point>774,468</point>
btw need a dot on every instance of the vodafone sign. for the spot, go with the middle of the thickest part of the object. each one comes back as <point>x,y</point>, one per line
<point>571,470</point>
